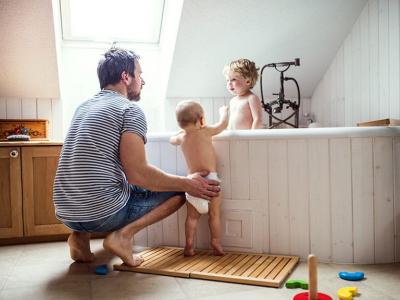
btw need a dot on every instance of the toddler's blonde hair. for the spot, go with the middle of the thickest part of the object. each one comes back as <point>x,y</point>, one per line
<point>188,112</point>
<point>244,67</point>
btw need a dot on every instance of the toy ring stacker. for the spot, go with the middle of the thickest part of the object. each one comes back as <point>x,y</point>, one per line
<point>312,293</point>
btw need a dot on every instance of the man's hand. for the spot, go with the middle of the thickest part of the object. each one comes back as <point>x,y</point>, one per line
<point>202,187</point>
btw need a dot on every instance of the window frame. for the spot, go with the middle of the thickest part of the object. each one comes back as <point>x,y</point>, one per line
<point>67,36</point>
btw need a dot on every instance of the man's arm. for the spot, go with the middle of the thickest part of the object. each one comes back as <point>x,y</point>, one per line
<point>256,111</point>
<point>139,172</point>
<point>222,123</point>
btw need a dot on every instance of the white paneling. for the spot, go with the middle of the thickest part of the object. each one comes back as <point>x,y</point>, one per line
<point>44,111</point>
<point>298,198</point>
<point>207,104</point>
<point>394,59</point>
<point>340,88</point>
<point>374,58</point>
<point>237,228</point>
<point>355,72</point>
<point>224,167</point>
<point>348,83</point>
<point>29,108</point>
<point>13,108</point>
<point>363,200</point>
<point>170,224</point>
<point>383,200</point>
<point>341,205</point>
<point>239,161</point>
<point>154,232</point>
<point>320,217</point>
<point>371,69</point>
<point>3,108</point>
<point>384,58</point>
<point>364,65</point>
<point>396,152</point>
<point>217,103</point>
<point>258,169</point>
<point>58,119</point>
<point>278,197</point>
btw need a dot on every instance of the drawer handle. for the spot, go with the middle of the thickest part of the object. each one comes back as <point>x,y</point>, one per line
<point>14,154</point>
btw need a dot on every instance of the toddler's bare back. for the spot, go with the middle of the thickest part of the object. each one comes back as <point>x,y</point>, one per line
<point>198,151</point>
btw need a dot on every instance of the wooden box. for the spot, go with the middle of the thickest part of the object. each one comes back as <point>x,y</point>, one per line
<point>36,129</point>
<point>381,122</point>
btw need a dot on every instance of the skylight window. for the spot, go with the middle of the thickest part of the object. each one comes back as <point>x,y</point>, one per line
<point>136,21</point>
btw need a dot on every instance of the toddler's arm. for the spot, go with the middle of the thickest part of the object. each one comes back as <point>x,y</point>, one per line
<point>222,123</point>
<point>256,111</point>
<point>176,139</point>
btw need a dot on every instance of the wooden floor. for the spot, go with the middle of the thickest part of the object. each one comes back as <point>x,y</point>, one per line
<point>247,268</point>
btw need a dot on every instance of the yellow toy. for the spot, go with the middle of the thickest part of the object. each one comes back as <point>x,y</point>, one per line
<point>347,293</point>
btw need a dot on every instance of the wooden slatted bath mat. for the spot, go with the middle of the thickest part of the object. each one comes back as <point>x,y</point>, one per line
<point>247,268</point>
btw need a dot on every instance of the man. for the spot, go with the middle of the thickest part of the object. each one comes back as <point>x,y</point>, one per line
<point>103,181</point>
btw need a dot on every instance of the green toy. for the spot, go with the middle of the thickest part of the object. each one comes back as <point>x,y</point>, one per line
<point>296,283</point>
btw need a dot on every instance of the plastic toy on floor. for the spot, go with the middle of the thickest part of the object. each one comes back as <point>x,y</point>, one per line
<point>312,293</point>
<point>352,276</point>
<point>101,270</point>
<point>296,284</point>
<point>347,293</point>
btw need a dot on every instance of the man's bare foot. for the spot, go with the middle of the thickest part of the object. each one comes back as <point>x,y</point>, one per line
<point>79,247</point>
<point>216,245</point>
<point>121,246</point>
<point>189,250</point>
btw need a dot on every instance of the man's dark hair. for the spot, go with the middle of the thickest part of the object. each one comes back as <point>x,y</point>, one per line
<point>114,62</point>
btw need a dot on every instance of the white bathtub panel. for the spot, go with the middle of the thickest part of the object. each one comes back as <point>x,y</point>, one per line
<point>224,167</point>
<point>341,205</point>
<point>237,229</point>
<point>154,232</point>
<point>396,152</point>
<point>140,238</point>
<point>153,153</point>
<point>203,236</point>
<point>170,224</point>
<point>239,160</point>
<point>278,197</point>
<point>320,212</point>
<point>258,168</point>
<point>383,200</point>
<point>363,200</point>
<point>298,198</point>
<point>181,166</point>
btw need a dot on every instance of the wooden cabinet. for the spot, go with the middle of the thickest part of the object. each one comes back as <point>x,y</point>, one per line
<point>26,180</point>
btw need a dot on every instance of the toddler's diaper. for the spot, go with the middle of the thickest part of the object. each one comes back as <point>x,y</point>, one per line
<point>200,204</point>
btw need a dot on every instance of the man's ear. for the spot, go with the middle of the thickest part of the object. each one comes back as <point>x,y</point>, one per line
<point>125,77</point>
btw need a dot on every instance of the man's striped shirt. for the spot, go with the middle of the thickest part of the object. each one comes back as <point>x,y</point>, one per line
<point>90,183</point>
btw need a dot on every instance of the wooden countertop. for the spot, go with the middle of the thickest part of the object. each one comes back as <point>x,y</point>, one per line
<point>31,143</point>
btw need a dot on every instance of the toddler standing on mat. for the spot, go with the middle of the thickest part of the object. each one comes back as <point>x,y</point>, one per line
<point>245,108</point>
<point>195,140</point>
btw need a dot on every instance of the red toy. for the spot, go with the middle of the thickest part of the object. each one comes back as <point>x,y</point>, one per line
<point>312,293</point>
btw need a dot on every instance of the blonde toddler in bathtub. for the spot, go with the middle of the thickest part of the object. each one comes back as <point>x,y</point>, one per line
<point>195,140</point>
<point>245,108</point>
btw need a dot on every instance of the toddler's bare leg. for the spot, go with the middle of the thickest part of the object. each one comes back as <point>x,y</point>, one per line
<point>214,222</point>
<point>192,219</point>
<point>120,242</point>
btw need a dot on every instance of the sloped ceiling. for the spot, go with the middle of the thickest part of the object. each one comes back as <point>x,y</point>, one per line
<point>212,33</point>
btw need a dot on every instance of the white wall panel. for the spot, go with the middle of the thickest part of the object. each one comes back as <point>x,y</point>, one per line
<point>371,69</point>
<point>239,161</point>
<point>13,108</point>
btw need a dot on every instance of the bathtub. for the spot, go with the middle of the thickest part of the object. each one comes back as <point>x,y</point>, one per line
<point>334,192</point>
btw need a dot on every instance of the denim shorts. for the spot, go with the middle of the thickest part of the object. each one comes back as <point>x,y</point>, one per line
<point>140,202</point>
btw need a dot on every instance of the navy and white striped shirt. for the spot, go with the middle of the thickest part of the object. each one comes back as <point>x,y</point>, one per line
<point>90,183</point>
